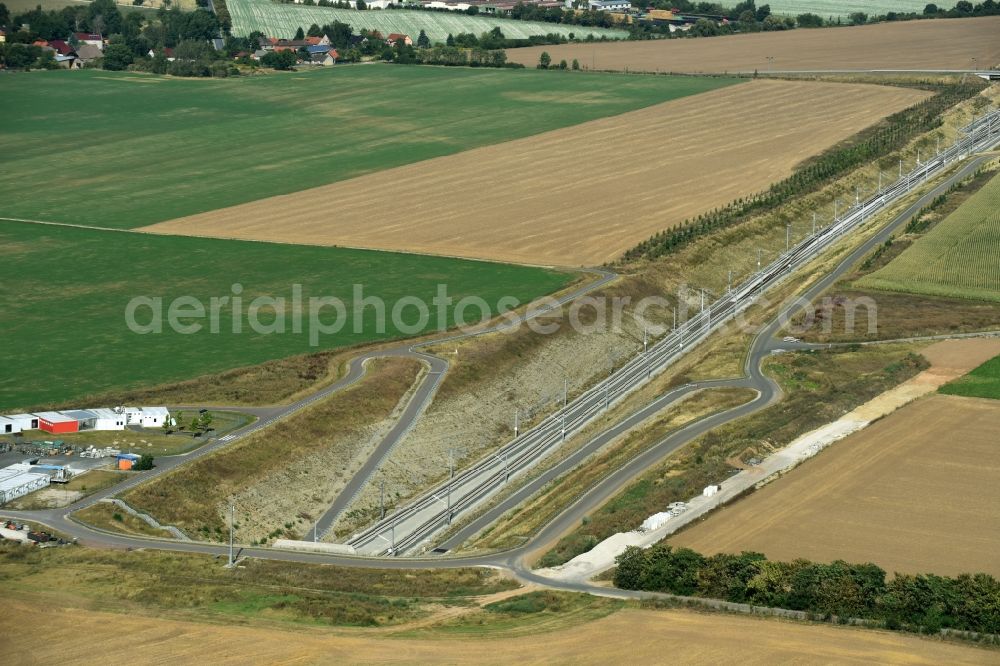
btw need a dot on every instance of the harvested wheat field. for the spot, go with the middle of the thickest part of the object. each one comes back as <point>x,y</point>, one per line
<point>914,45</point>
<point>81,637</point>
<point>915,492</point>
<point>574,196</point>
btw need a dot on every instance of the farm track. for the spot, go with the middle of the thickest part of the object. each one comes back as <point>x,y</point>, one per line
<point>514,559</point>
<point>912,45</point>
<point>577,196</point>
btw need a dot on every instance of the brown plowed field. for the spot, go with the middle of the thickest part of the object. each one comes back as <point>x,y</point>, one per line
<point>576,196</point>
<point>631,636</point>
<point>915,492</point>
<point>921,45</point>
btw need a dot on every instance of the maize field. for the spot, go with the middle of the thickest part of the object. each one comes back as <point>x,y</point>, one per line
<point>282,20</point>
<point>956,258</point>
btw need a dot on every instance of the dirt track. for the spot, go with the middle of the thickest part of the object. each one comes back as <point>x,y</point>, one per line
<point>934,44</point>
<point>575,196</point>
<point>83,637</point>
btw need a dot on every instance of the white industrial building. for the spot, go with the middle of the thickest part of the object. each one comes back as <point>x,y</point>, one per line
<point>17,481</point>
<point>8,425</point>
<point>23,422</point>
<point>100,418</point>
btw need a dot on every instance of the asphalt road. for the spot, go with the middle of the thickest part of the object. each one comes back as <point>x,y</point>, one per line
<point>763,345</point>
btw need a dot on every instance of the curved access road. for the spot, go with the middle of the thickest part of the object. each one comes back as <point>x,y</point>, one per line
<point>515,559</point>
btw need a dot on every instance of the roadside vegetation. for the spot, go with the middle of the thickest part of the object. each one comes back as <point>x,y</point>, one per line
<point>529,613</point>
<point>922,305</point>
<point>199,587</point>
<point>518,525</point>
<point>302,461</point>
<point>819,387</point>
<point>919,603</point>
<point>111,518</point>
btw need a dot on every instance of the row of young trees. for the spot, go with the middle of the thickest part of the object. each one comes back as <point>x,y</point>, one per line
<point>892,134</point>
<point>922,603</point>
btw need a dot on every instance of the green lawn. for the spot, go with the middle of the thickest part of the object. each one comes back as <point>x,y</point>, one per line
<point>64,292</point>
<point>125,150</point>
<point>983,382</point>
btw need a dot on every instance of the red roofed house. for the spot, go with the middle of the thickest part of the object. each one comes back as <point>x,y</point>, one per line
<point>61,47</point>
<point>90,39</point>
<point>396,37</point>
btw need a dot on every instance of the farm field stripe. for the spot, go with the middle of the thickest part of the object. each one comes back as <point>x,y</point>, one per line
<point>911,45</point>
<point>576,196</point>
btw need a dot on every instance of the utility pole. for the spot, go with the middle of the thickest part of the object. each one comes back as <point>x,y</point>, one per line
<point>918,157</point>
<point>315,530</point>
<point>788,237</point>
<point>836,206</point>
<point>857,195</point>
<point>517,413</point>
<point>814,223</point>
<point>232,532</point>
<point>565,391</point>
<point>675,319</point>
<point>392,534</point>
<point>381,499</point>
<point>901,168</point>
<point>758,259</point>
<point>880,181</point>
<point>451,475</point>
<point>607,394</point>
<point>645,339</point>
<point>729,281</point>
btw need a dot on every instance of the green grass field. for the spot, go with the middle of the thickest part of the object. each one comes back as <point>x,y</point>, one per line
<point>956,258</point>
<point>64,293</point>
<point>126,150</point>
<point>983,382</point>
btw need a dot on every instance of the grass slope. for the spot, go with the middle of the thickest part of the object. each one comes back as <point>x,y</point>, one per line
<point>282,20</point>
<point>957,258</point>
<point>126,150</point>
<point>983,382</point>
<point>64,291</point>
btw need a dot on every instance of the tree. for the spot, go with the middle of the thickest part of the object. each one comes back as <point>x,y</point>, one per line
<point>4,15</point>
<point>423,41</point>
<point>931,9</point>
<point>544,60</point>
<point>300,34</point>
<point>314,31</point>
<point>563,65</point>
<point>763,12</point>
<point>117,57</point>
<point>362,5</point>
<point>450,41</point>
<point>859,18</point>
<point>576,65</point>
<point>809,20</point>
<point>206,420</point>
<point>283,60</point>
<point>145,462</point>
